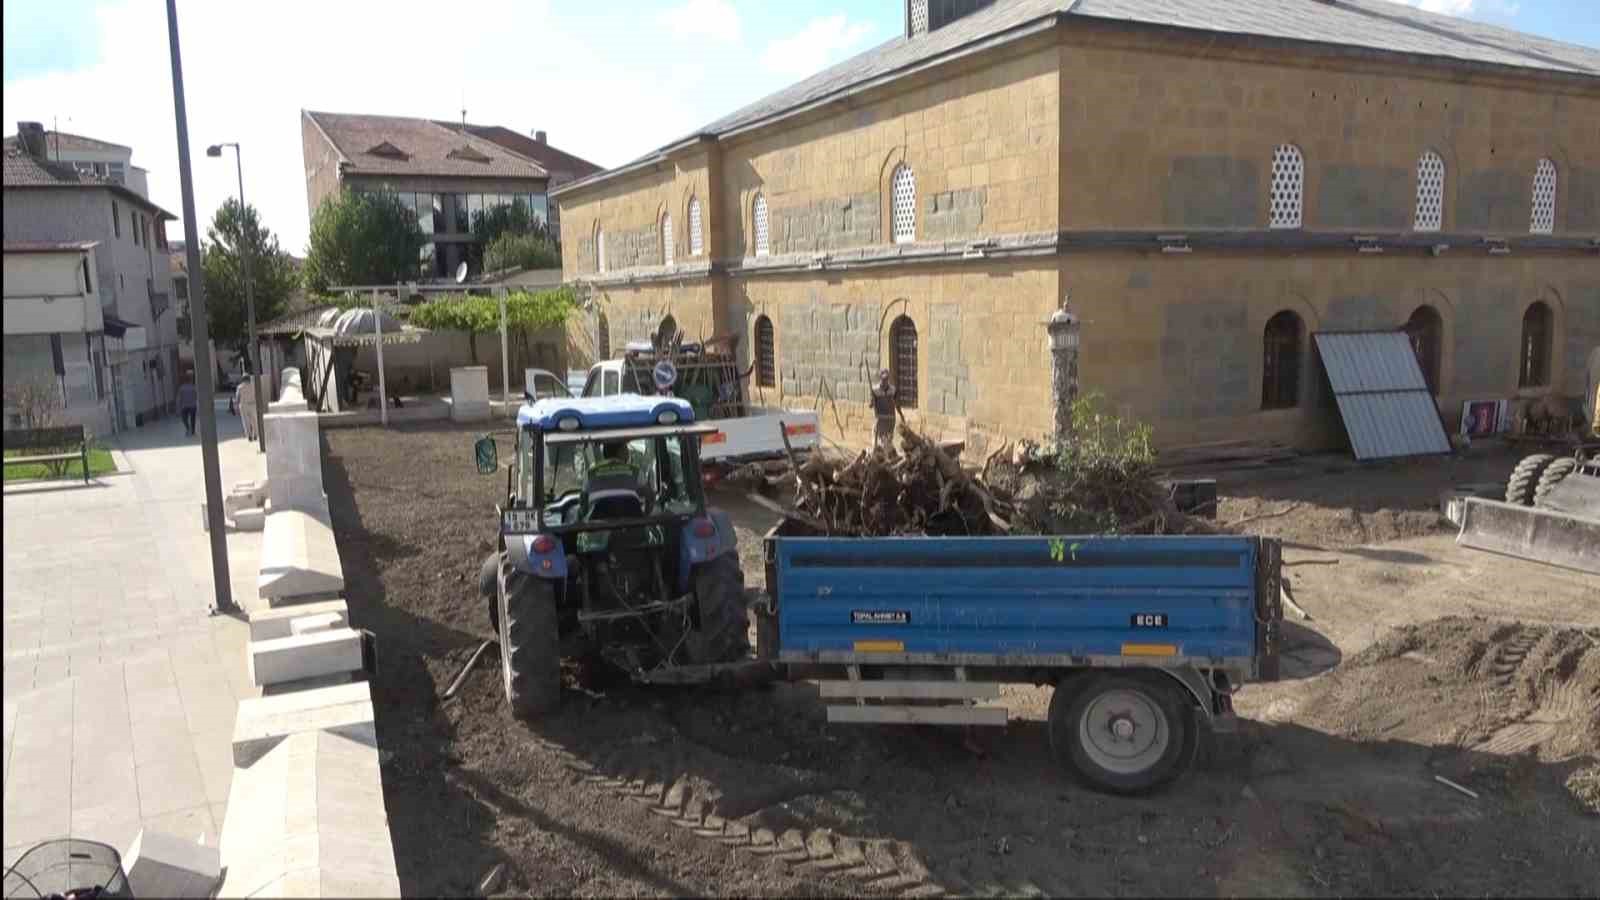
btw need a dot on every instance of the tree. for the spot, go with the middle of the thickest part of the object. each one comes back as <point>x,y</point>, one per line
<point>511,235</point>
<point>362,238</point>
<point>477,314</point>
<point>526,251</point>
<point>222,268</point>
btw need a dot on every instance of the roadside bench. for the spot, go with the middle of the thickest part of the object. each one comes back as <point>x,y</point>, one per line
<point>25,439</point>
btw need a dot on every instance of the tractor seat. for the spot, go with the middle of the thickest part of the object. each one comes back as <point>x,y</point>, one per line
<point>613,503</point>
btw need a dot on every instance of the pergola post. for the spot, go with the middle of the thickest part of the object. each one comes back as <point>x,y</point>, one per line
<point>505,356</point>
<point>383,391</point>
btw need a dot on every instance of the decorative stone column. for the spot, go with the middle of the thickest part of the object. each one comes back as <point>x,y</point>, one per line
<point>1063,330</point>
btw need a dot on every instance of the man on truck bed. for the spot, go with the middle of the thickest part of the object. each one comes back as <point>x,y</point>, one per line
<point>883,406</point>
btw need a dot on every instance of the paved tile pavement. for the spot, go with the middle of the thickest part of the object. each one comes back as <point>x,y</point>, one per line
<point>120,687</point>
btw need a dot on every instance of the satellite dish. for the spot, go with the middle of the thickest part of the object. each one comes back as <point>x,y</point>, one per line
<point>461,272</point>
<point>665,374</point>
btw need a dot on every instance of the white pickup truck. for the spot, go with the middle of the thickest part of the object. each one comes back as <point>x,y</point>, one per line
<point>749,437</point>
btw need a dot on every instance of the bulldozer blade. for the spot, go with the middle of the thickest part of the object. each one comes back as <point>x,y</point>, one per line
<point>1526,532</point>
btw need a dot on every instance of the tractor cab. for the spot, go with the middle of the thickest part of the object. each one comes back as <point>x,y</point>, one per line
<point>607,551</point>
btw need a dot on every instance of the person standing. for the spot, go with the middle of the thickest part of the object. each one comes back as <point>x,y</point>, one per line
<point>244,399</point>
<point>188,404</point>
<point>884,407</point>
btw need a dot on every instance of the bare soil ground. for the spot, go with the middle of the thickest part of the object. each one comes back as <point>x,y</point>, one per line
<point>1420,660</point>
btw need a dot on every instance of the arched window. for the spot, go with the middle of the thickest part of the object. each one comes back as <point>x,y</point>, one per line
<point>602,338</point>
<point>600,248</point>
<point>1280,362</point>
<point>903,204</point>
<point>666,239</point>
<point>1430,192</point>
<point>1544,198</point>
<point>759,214</point>
<point>696,242</point>
<point>1288,185</point>
<point>766,355</point>
<point>903,361</point>
<point>667,331</point>
<point>1537,329</point>
<point>1426,330</point>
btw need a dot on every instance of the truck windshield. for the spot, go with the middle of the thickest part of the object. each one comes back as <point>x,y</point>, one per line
<point>654,464</point>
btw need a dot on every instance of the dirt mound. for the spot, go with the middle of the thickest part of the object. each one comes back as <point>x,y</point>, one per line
<point>1501,689</point>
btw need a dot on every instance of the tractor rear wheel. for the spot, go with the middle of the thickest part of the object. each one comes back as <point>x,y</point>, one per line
<point>530,642</point>
<point>489,588</point>
<point>724,632</point>
<point>1552,476</point>
<point>1525,478</point>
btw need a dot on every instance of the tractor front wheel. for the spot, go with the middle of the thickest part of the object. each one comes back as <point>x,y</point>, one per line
<point>530,642</point>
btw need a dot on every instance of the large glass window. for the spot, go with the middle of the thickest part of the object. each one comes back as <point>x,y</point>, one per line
<point>425,212</point>
<point>458,203</point>
<point>541,208</point>
<point>474,210</point>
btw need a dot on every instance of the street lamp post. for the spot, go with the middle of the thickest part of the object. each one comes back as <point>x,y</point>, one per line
<point>210,467</point>
<point>215,150</point>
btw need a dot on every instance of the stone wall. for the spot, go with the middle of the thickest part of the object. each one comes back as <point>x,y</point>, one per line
<point>836,223</point>
<point>953,214</point>
<point>1187,137</point>
<point>831,348</point>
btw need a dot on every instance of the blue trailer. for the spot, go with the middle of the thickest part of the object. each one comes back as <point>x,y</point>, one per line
<point>1144,639</point>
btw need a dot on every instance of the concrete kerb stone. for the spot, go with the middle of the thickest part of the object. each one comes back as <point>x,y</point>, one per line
<point>277,622</point>
<point>264,722</point>
<point>316,623</point>
<point>160,865</point>
<point>299,557</point>
<point>302,656</point>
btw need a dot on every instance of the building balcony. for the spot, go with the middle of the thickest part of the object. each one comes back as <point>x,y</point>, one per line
<point>52,315</point>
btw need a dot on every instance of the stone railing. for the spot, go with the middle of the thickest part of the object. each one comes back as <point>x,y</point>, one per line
<point>306,815</point>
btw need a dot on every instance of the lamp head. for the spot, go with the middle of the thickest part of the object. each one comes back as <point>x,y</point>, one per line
<point>214,150</point>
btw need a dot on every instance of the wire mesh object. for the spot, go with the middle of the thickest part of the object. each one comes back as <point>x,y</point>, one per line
<point>69,869</point>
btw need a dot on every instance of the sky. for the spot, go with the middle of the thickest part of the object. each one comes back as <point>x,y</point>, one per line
<point>607,80</point>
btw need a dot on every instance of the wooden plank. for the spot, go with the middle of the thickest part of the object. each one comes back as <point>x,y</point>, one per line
<point>919,690</point>
<point>918,715</point>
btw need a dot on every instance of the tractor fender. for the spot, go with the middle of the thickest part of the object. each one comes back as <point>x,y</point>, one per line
<point>522,556</point>
<point>697,551</point>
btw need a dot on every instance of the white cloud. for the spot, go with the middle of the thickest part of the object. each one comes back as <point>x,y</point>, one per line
<point>249,69</point>
<point>713,19</point>
<point>1448,7</point>
<point>821,42</point>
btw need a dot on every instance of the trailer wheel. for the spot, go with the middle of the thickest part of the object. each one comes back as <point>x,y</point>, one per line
<point>724,632</point>
<point>530,642</point>
<point>489,588</point>
<point>1123,733</point>
<point>1525,478</point>
<point>1552,476</point>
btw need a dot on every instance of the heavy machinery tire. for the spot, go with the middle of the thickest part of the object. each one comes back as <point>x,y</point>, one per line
<point>1525,477</point>
<point>530,642</point>
<point>1552,476</point>
<point>724,632</point>
<point>1124,733</point>
<point>489,588</point>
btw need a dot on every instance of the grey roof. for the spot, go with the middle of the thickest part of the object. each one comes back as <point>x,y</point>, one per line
<point>72,143</point>
<point>1368,24</point>
<point>1383,399</point>
<point>24,171</point>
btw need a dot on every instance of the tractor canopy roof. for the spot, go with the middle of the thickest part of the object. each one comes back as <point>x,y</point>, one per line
<point>617,411</point>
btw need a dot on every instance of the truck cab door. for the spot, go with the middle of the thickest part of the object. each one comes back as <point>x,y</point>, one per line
<point>591,388</point>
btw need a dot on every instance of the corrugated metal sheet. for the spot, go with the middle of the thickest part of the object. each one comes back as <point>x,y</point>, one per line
<point>1383,398</point>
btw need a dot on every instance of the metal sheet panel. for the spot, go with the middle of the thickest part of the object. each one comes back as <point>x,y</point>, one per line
<point>1387,408</point>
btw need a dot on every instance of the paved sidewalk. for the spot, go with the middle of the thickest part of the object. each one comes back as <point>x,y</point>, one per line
<point>120,687</point>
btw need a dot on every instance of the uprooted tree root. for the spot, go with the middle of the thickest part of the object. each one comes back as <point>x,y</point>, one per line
<point>924,490</point>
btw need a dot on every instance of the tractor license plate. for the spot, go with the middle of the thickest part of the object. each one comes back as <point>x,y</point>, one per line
<point>519,521</point>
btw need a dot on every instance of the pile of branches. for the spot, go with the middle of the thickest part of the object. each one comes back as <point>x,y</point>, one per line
<point>1021,489</point>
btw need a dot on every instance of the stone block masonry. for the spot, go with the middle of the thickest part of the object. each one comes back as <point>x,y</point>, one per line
<point>949,379</point>
<point>832,224</point>
<point>832,343</point>
<point>160,865</point>
<point>301,656</point>
<point>953,214</point>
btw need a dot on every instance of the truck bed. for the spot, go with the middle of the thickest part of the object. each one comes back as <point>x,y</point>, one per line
<point>1203,601</point>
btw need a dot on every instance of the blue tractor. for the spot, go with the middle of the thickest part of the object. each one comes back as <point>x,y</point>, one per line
<point>607,553</point>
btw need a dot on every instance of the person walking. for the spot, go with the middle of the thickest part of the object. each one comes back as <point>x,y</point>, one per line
<point>188,404</point>
<point>884,407</point>
<point>244,399</point>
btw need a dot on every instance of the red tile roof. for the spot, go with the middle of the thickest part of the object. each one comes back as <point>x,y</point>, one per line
<point>562,165</point>
<point>417,147</point>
